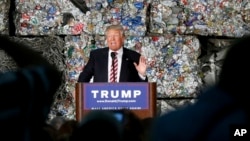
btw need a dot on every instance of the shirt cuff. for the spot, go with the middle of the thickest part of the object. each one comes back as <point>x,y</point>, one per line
<point>142,77</point>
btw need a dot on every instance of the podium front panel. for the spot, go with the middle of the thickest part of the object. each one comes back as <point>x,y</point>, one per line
<point>138,97</point>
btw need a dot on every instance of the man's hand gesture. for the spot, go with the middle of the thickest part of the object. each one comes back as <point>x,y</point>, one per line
<point>142,66</point>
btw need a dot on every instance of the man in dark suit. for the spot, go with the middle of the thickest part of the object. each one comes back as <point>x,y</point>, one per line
<point>219,111</point>
<point>131,65</point>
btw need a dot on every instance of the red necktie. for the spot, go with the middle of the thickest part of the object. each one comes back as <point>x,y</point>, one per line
<point>114,68</point>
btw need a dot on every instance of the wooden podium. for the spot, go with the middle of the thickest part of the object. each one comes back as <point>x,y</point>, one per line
<point>149,94</point>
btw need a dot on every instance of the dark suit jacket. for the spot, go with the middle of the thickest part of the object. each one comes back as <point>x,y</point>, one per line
<point>97,66</point>
<point>211,118</point>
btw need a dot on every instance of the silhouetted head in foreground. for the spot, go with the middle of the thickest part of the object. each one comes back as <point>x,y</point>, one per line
<point>235,69</point>
<point>96,126</point>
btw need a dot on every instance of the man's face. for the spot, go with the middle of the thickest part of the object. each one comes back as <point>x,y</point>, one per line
<point>114,39</point>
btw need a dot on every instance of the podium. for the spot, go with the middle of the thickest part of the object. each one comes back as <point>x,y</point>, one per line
<point>138,97</point>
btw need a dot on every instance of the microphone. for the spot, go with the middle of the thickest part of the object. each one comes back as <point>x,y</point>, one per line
<point>113,54</point>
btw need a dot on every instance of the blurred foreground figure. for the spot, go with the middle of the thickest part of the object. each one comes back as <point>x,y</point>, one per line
<point>117,125</point>
<point>98,125</point>
<point>26,94</point>
<point>219,111</point>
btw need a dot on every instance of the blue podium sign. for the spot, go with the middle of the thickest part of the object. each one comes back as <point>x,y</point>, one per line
<point>115,96</point>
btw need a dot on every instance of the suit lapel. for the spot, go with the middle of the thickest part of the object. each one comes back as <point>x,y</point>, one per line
<point>104,68</point>
<point>124,67</point>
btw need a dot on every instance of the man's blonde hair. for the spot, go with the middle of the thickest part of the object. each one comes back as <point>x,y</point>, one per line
<point>115,27</point>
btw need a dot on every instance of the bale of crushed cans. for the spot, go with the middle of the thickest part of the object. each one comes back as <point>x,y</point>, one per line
<point>167,32</point>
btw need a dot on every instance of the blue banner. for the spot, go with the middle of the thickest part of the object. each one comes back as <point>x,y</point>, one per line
<point>115,96</point>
